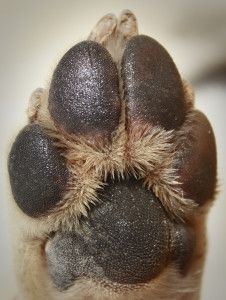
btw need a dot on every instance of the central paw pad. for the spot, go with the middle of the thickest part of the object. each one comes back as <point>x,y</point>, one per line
<point>126,239</point>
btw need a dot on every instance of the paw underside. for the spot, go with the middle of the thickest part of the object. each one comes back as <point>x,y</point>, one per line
<point>115,160</point>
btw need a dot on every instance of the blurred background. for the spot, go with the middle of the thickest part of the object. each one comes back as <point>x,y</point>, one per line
<point>35,34</point>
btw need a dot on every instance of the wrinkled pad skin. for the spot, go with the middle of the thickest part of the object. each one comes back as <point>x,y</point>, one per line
<point>38,173</point>
<point>84,93</point>
<point>196,160</point>
<point>125,240</point>
<point>153,87</point>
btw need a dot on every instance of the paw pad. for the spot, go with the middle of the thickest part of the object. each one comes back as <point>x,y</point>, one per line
<point>38,173</point>
<point>153,87</point>
<point>84,93</point>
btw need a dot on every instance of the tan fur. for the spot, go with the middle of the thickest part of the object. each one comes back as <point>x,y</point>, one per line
<point>145,152</point>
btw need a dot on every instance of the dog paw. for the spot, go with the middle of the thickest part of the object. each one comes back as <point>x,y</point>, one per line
<point>113,175</point>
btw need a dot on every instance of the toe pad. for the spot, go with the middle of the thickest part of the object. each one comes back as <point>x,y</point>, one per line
<point>38,173</point>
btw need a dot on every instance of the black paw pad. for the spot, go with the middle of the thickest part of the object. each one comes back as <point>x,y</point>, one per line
<point>125,240</point>
<point>84,93</point>
<point>153,87</point>
<point>38,173</point>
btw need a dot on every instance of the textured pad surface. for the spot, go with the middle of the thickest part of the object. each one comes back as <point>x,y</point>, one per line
<point>196,160</point>
<point>125,240</point>
<point>38,173</point>
<point>153,87</point>
<point>83,97</point>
